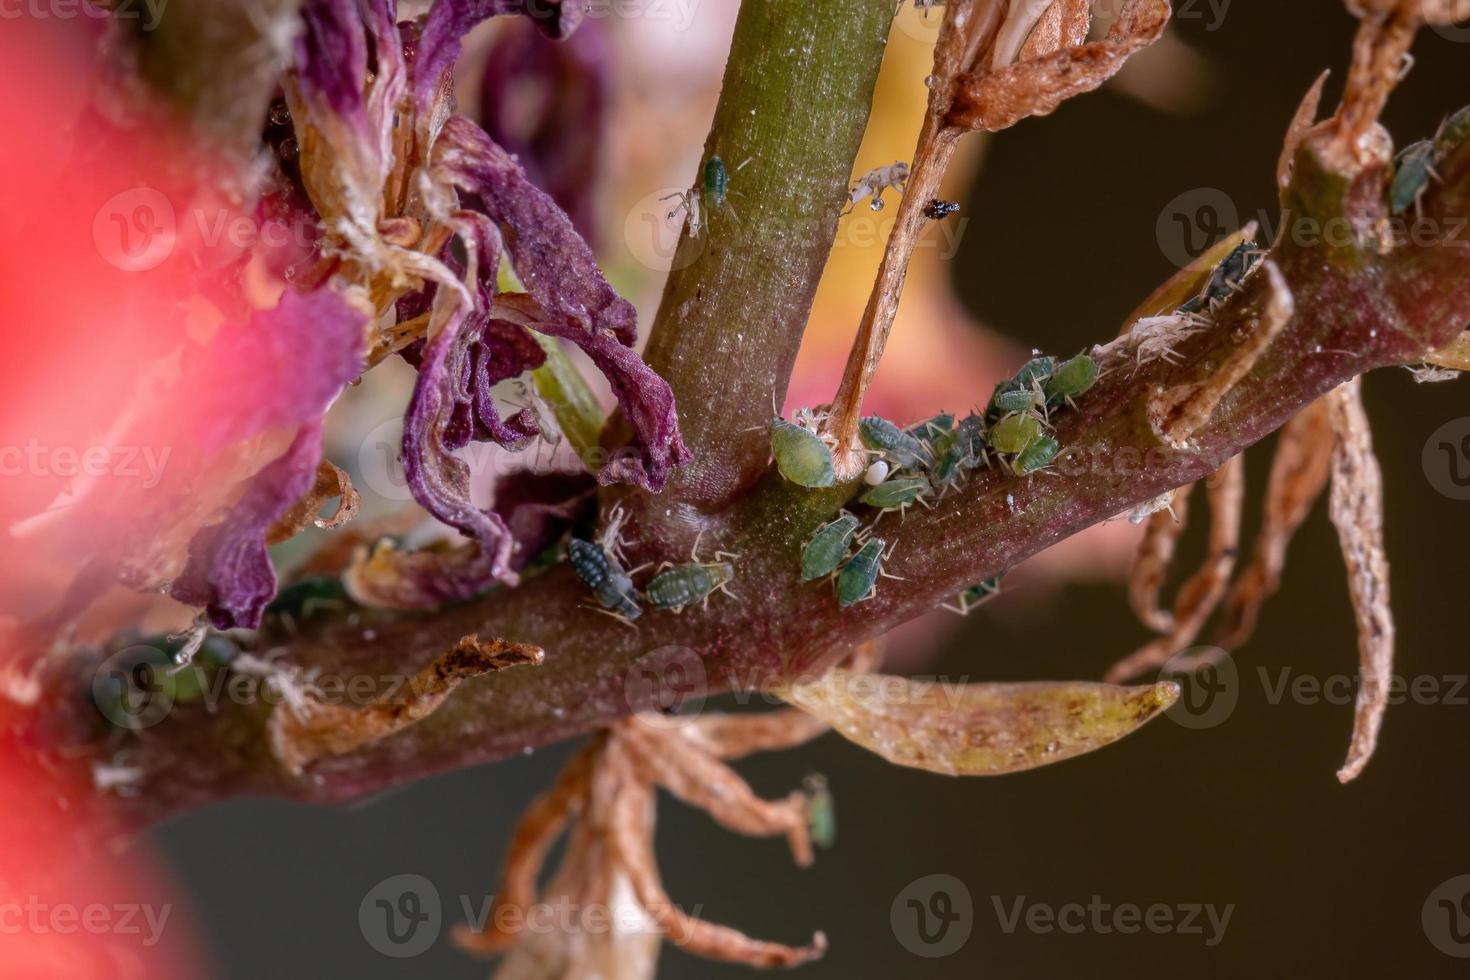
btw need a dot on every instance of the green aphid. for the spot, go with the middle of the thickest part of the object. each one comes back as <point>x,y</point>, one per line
<point>301,600</point>
<point>896,445</point>
<point>1018,400</point>
<point>960,450</point>
<point>898,492</point>
<point>932,428</point>
<point>977,595</point>
<point>801,455</point>
<point>685,585</point>
<point>716,182</point>
<point>1454,131</point>
<point>1412,170</point>
<point>1014,433</point>
<point>1071,379</point>
<point>1037,456</point>
<point>1033,374</point>
<point>1038,369</point>
<point>825,551</point>
<point>821,811</point>
<point>858,577</point>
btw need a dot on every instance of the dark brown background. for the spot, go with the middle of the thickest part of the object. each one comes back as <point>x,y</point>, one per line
<point>1326,881</point>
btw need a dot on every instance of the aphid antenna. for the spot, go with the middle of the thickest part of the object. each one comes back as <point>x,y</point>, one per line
<point>611,614</point>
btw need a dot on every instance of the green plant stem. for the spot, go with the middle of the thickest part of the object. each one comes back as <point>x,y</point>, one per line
<point>797,92</point>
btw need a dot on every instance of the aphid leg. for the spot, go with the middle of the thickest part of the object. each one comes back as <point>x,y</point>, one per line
<point>613,614</point>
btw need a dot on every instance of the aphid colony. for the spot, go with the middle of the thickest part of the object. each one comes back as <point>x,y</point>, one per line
<point>1414,167</point>
<point>911,465</point>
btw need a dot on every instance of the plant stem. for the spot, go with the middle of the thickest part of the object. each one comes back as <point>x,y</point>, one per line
<point>797,92</point>
<point>1356,309</point>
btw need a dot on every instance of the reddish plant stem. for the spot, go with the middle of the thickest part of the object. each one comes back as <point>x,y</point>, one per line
<point>1356,309</point>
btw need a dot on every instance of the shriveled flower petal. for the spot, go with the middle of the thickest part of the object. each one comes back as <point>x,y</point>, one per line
<point>448,21</point>
<point>229,570</point>
<point>646,399</point>
<point>331,482</point>
<point>977,729</point>
<point>546,102</point>
<point>438,421</point>
<point>998,100</point>
<point>551,259</point>
<point>539,507</point>
<point>307,349</point>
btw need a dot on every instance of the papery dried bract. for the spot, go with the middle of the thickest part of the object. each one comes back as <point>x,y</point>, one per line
<point>998,99</point>
<point>977,729</point>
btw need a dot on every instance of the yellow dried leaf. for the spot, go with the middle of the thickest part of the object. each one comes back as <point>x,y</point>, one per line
<point>977,729</point>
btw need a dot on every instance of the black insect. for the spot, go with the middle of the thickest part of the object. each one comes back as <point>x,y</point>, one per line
<point>937,209</point>
<point>1226,278</point>
<point>605,577</point>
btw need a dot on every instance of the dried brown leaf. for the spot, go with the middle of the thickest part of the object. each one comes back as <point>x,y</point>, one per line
<point>1199,596</point>
<point>331,481</point>
<point>1154,558</point>
<point>1299,473</point>
<point>1304,120</point>
<point>1356,505</point>
<point>996,100</point>
<point>977,729</point>
<point>316,730</point>
<point>1455,355</point>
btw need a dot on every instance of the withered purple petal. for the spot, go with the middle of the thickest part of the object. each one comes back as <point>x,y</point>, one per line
<point>229,570</point>
<point>539,507</point>
<point>546,103</point>
<point>646,399</point>
<point>331,54</point>
<point>306,350</point>
<point>551,259</point>
<point>448,21</point>
<point>440,418</point>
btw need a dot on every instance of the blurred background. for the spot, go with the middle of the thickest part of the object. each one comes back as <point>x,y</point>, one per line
<point>1067,223</point>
